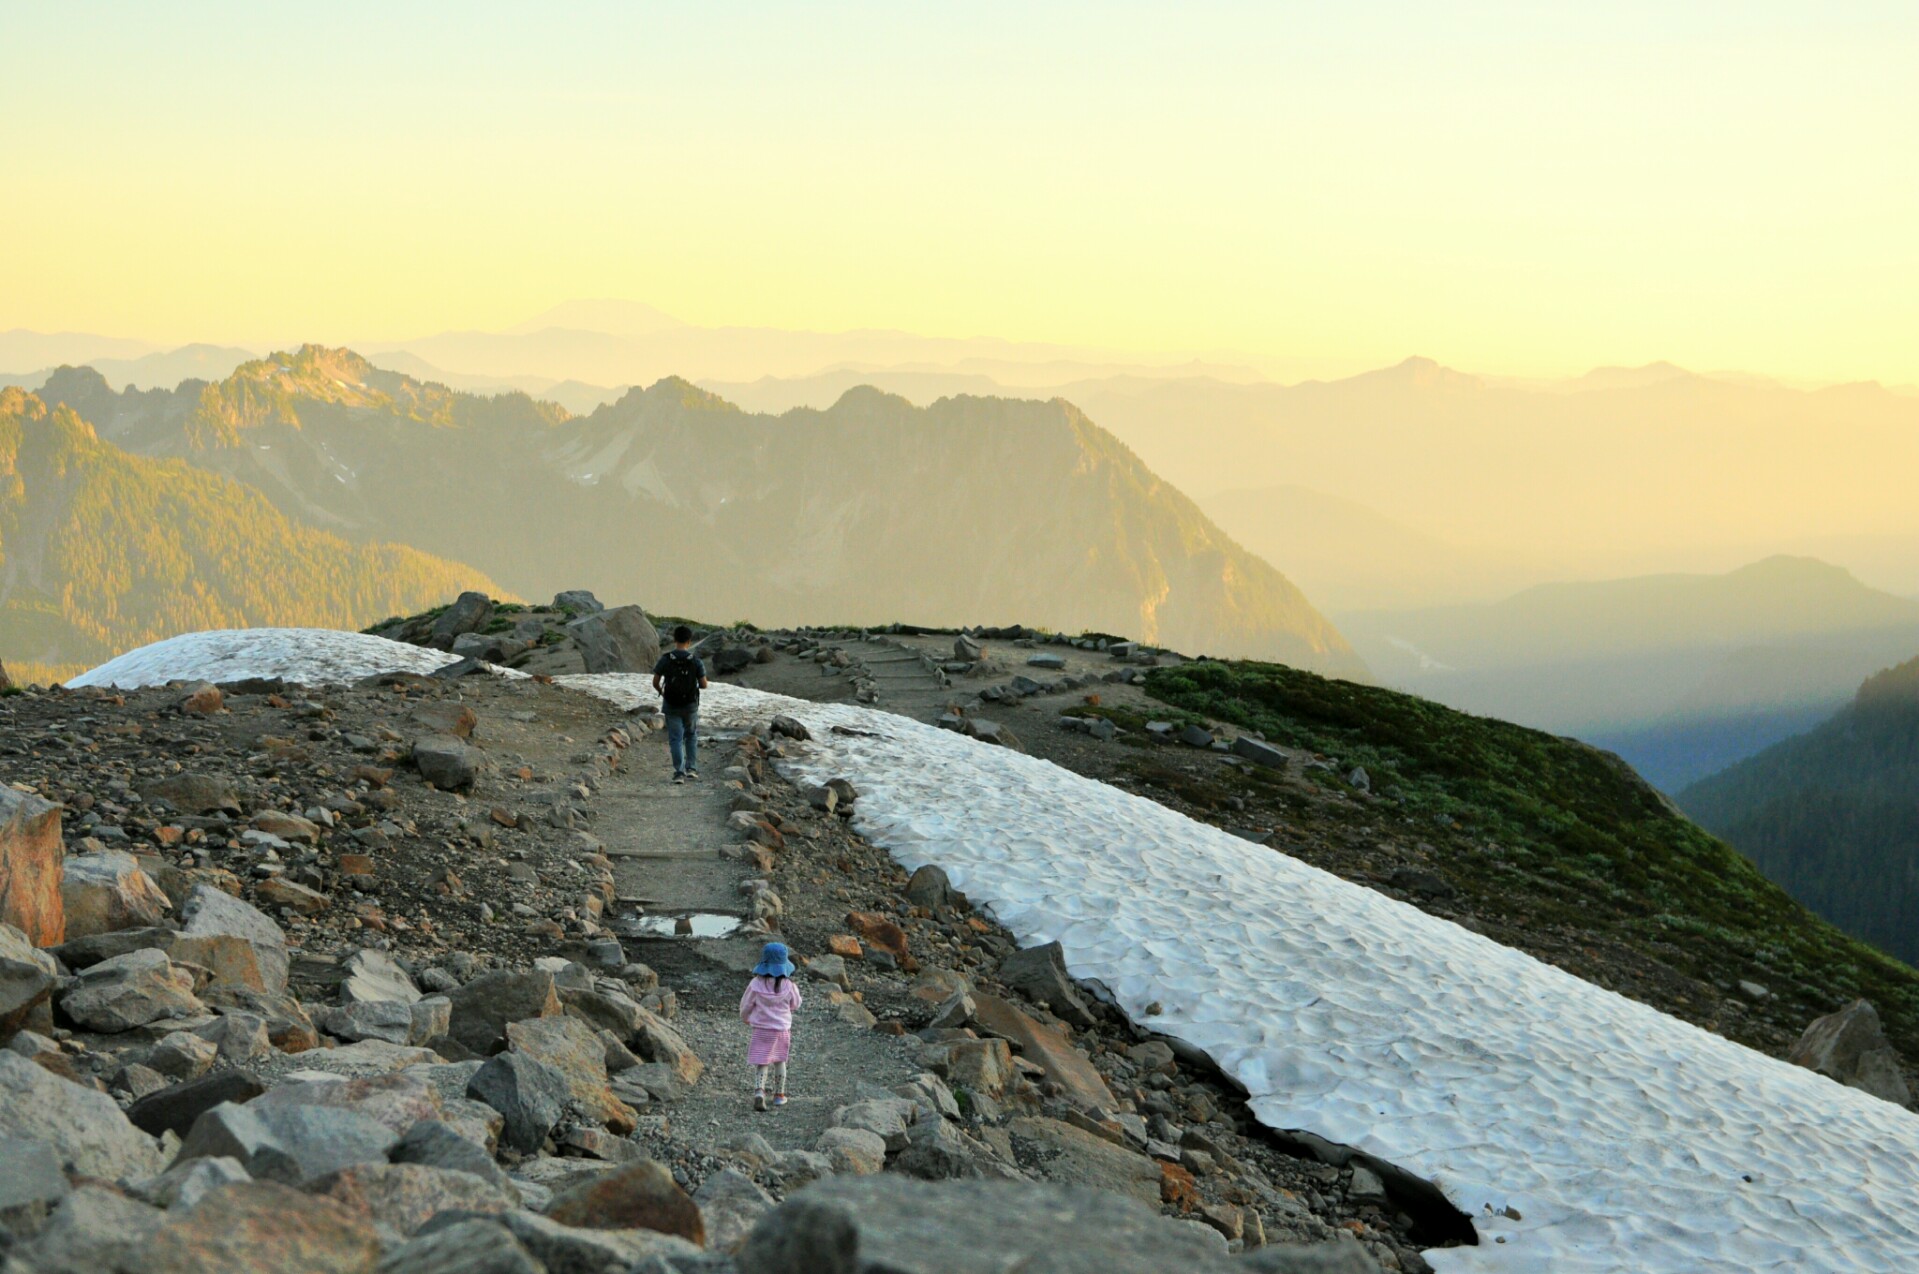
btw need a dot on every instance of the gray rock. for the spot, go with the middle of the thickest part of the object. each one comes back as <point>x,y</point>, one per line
<point>446,762</point>
<point>1040,974</point>
<point>289,1144</point>
<point>473,1246</point>
<point>890,1118</point>
<point>26,978</point>
<point>1851,1047</point>
<point>196,794</point>
<point>889,1223</point>
<point>854,1151</point>
<point>1358,778</point>
<point>468,613</point>
<point>183,1055</point>
<point>936,1151</point>
<point>566,1249</point>
<point>178,1107</point>
<point>82,1125</point>
<point>965,649</point>
<point>530,1095</point>
<point>389,1020</point>
<point>93,1230</point>
<point>189,1181</point>
<point>578,600</point>
<point>1344,1256</point>
<point>483,1007</point>
<point>619,640</point>
<point>1046,661</point>
<point>1196,736</point>
<point>929,887</point>
<point>1260,753</point>
<point>438,1145</point>
<point>731,1204</point>
<point>374,976</point>
<point>32,1183</point>
<point>213,914</point>
<point>237,1036</point>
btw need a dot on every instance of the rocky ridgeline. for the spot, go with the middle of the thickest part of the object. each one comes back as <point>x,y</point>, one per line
<point>332,979</point>
<point>576,634</point>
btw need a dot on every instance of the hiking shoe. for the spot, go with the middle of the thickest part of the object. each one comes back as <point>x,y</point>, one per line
<point>759,1101</point>
<point>679,778</point>
<point>779,1099</point>
<point>692,774</point>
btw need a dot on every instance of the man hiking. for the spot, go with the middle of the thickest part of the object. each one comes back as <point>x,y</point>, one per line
<point>679,677</point>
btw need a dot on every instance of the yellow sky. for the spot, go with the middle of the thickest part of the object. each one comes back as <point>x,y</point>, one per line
<point>1502,188</point>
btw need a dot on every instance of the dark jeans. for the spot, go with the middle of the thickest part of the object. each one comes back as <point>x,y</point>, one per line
<point>682,737</point>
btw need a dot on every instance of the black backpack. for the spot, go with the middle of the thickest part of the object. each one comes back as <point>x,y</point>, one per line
<point>681,680</point>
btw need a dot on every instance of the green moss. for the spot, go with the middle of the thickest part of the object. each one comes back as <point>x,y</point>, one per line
<point>1579,835</point>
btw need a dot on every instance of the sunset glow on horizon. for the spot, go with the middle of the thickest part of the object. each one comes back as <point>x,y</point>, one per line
<point>1296,187</point>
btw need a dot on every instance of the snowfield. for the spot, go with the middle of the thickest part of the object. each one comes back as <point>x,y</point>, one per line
<point>311,656</point>
<point>1621,1138</point>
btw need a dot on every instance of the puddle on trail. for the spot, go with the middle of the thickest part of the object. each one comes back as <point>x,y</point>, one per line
<point>696,924</point>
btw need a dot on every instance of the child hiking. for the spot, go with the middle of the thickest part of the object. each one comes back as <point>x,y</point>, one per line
<point>768,1007</point>
<point>678,678</point>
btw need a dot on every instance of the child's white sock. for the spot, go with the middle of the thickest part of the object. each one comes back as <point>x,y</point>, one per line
<point>760,1071</point>
<point>779,1080</point>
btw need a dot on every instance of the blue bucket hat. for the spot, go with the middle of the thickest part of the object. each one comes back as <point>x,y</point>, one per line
<point>774,962</point>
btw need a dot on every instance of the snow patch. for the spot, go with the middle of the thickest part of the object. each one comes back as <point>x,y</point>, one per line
<point>310,656</point>
<point>1622,1138</point>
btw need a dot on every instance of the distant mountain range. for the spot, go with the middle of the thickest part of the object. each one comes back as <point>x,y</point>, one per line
<point>101,550</point>
<point>1682,674</point>
<point>1833,815</point>
<point>973,510</point>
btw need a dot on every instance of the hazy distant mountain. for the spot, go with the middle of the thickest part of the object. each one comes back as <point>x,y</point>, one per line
<point>1635,471</point>
<point>973,510</point>
<point>1832,815</point>
<point>23,352</point>
<point>101,551</point>
<point>1678,672</point>
<point>1348,557</point>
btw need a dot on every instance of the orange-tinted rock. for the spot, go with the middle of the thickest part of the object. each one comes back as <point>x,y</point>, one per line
<point>356,865</point>
<point>262,1227</point>
<point>203,701</point>
<point>641,1196</point>
<point>30,867</point>
<point>845,944</point>
<point>1047,1046</point>
<point>878,932</point>
<point>1177,1187</point>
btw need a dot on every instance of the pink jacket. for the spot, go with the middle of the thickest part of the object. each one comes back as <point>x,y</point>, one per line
<point>769,1005</point>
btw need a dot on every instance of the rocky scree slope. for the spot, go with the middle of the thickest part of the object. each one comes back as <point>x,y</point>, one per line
<point>338,953</point>
<point>870,509</point>
<point>101,550</point>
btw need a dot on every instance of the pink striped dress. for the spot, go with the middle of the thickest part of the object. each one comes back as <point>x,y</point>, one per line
<point>768,1007</point>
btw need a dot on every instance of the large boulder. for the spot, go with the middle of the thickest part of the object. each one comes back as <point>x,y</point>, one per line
<point>396,1102</point>
<point>291,1144</point>
<point>26,979</point>
<point>177,1107</point>
<point>93,1229</point>
<point>640,1196</point>
<point>130,990</point>
<point>619,640</point>
<point>236,940</point>
<point>468,614</point>
<point>570,1047</point>
<point>1080,1082</point>
<point>447,761</point>
<point>401,1197</point>
<point>1040,974</point>
<point>82,1125</point>
<point>262,1227</point>
<point>530,1095</point>
<point>1851,1047</point>
<point>483,1007</point>
<point>30,867</point>
<point>1072,1155</point>
<point>850,1225</point>
<point>107,891</point>
<point>196,793</point>
<point>731,1204</point>
<point>470,1246</point>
